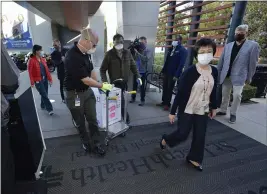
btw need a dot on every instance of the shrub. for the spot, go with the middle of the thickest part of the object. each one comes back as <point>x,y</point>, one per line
<point>248,93</point>
<point>159,59</point>
<point>158,62</point>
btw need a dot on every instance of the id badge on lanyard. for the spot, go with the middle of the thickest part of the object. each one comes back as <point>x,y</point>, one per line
<point>77,101</point>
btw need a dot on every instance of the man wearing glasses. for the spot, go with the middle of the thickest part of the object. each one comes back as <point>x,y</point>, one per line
<point>80,99</point>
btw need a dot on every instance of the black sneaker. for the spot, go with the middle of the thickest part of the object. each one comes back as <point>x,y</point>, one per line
<point>221,113</point>
<point>99,150</point>
<point>232,119</point>
<point>142,103</point>
<point>132,101</point>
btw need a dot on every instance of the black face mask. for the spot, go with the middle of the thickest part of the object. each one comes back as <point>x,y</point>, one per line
<point>239,37</point>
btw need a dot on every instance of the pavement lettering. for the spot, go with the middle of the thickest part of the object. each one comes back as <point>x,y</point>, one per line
<point>136,166</point>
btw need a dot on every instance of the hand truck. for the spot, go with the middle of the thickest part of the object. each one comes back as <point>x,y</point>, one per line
<point>118,128</point>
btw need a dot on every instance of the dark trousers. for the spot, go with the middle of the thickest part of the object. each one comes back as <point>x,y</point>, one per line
<point>42,87</point>
<point>61,76</point>
<point>168,85</point>
<point>142,88</point>
<point>124,87</point>
<point>61,81</point>
<point>7,164</point>
<point>86,110</point>
<point>185,123</point>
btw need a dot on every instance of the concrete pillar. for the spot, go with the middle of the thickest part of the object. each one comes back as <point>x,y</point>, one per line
<point>65,35</point>
<point>237,19</point>
<point>97,23</point>
<point>139,19</point>
<point>41,31</point>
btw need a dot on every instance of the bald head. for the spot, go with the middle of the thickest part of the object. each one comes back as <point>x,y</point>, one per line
<point>88,40</point>
<point>89,34</point>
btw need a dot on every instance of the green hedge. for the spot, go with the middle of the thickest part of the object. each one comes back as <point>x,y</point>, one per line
<point>248,93</point>
<point>158,62</point>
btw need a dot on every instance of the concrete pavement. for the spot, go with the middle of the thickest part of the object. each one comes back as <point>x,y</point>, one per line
<point>251,118</point>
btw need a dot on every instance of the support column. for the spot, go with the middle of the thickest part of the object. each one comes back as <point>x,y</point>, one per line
<point>237,19</point>
<point>97,23</point>
<point>171,23</point>
<point>132,24</point>
<point>190,56</point>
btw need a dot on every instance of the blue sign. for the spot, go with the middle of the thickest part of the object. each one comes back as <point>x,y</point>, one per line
<point>19,40</point>
<point>15,28</point>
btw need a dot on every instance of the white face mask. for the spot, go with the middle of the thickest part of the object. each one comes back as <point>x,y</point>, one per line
<point>119,47</point>
<point>174,43</point>
<point>42,53</point>
<point>91,51</point>
<point>204,59</point>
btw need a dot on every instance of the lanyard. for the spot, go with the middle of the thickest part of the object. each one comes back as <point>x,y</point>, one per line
<point>206,85</point>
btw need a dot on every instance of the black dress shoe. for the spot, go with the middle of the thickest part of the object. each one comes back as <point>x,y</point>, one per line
<point>199,168</point>
<point>221,113</point>
<point>86,147</point>
<point>163,147</point>
<point>99,150</point>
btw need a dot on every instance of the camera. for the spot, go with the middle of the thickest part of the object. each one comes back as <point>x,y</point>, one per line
<point>136,44</point>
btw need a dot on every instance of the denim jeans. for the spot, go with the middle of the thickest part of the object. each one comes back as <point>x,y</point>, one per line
<point>42,87</point>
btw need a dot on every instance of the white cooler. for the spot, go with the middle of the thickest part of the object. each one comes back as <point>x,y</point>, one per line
<point>114,107</point>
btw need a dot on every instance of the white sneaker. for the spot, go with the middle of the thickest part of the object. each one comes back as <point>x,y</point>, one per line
<point>51,113</point>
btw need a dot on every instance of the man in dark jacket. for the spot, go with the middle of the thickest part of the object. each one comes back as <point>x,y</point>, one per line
<point>141,56</point>
<point>57,57</point>
<point>172,69</point>
<point>119,62</point>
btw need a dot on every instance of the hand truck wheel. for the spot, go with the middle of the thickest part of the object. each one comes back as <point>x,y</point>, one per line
<point>123,134</point>
<point>106,141</point>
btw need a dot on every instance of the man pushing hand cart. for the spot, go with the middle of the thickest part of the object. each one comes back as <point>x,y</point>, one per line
<point>119,63</point>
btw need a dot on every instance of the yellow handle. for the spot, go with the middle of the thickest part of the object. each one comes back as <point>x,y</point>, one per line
<point>132,92</point>
<point>113,98</point>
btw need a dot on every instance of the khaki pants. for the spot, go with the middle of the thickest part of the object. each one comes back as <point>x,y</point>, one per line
<point>226,92</point>
<point>86,110</point>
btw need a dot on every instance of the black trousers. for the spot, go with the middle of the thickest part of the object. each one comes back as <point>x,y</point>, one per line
<point>185,123</point>
<point>168,85</point>
<point>61,82</point>
<point>142,88</point>
<point>124,87</point>
<point>7,164</point>
<point>86,111</point>
<point>61,76</point>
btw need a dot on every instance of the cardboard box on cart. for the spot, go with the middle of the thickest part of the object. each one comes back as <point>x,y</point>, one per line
<point>114,107</point>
